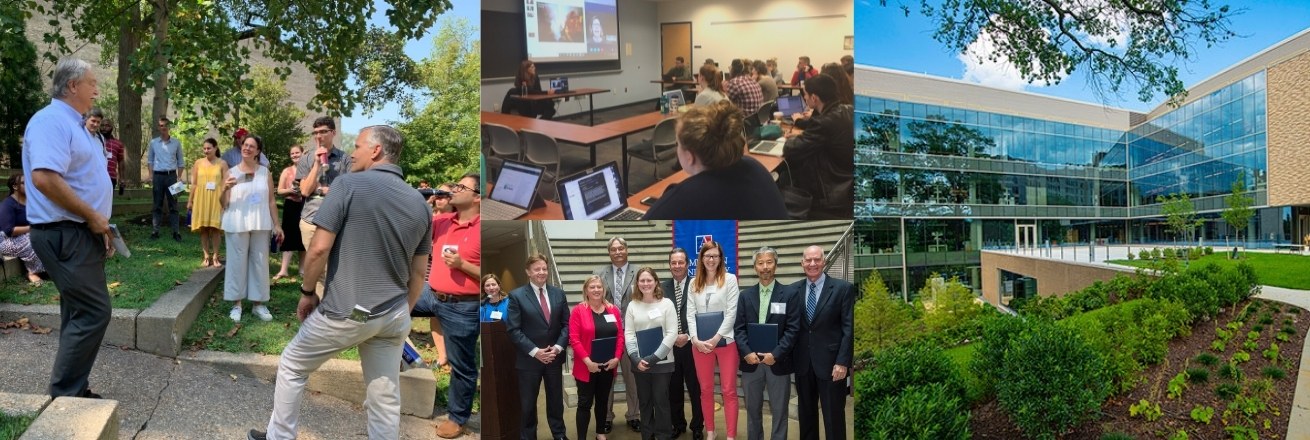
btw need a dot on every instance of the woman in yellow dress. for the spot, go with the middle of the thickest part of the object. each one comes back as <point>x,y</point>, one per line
<point>206,211</point>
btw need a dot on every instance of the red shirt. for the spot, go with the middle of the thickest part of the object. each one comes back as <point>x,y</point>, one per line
<point>797,79</point>
<point>448,231</point>
<point>114,147</point>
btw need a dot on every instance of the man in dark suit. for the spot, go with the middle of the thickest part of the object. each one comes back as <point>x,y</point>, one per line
<point>823,350</point>
<point>538,327</point>
<point>768,302</point>
<point>618,277</point>
<point>678,288</point>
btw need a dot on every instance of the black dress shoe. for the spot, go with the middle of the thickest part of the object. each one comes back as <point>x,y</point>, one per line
<point>87,394</point>
<point>256,435</point>
<point>154,235</point>
<point>177,237</point>
<point>677,432</point>
<point>698,435</point>
<point>606,427</point>
<point>635,425</point>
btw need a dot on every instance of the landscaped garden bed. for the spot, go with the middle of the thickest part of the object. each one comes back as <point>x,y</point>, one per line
<point>1185,354</point>
<point>1278,270</point>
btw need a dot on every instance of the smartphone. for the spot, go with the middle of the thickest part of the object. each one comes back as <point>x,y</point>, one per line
<point>247,177</point>
<point>648,201</point>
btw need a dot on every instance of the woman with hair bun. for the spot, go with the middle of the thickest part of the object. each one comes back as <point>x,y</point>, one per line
<point>724,183</point>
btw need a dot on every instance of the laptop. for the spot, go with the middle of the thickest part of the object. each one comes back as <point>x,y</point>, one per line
<point>514,192</point>
<point>560,84</point>
<point>767,147</point>
<point>675,96</point>
<point>790,105</point>
<point>596,194</point>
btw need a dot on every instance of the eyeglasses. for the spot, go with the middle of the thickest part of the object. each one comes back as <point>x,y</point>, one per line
<point>459,188</point>
<point>712,257</point>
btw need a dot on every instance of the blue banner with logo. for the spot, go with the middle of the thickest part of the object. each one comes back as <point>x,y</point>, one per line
<point>693,234</point>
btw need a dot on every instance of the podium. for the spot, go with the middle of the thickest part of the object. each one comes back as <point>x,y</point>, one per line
<point>500,384</point>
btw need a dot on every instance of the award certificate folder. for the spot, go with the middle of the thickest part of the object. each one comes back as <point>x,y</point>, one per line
<point>763,337</point>
<point>707,325</point>
<point>602,349</point>
<point>649,340</point>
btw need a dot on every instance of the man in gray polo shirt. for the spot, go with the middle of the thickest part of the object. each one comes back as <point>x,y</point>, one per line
<point>375,233</point>
<point>315,173</point>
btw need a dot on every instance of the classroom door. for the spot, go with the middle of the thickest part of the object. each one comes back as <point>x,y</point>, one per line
<point>675,41</point>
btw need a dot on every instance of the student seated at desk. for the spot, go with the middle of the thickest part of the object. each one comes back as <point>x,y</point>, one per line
<point>679,72</point>
<point>723,184</point>
<point>845,93</point>
<point>526,82</point>
<point>820,159</point>
<point>767,85</point>
<point>709,86</point>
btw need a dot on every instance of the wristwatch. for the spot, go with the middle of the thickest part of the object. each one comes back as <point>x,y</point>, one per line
<point>309,292</point>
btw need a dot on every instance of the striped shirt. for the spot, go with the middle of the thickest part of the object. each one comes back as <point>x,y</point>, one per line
<point>381,223</point>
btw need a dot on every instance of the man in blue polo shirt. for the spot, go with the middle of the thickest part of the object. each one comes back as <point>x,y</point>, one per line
<point>69,207</point>
<point>166,166</point>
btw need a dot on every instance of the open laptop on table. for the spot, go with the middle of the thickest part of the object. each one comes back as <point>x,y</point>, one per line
<point>596,194</point>
<point>790,105</point>
<point>560,84</point>
<point>514,192</point>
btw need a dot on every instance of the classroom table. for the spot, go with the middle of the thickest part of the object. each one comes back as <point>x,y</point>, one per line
<point>681,82</point>
<point>562,131</point>
<point>552,95</point>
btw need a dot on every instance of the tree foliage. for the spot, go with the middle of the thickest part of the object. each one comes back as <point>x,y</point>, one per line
<point>1179,215</point>
<point>270,114</point>
<point>19,79</point>
<point>947,304</point>
<point>881,321</point>
<point>442,135</point>
<point>1117,44</point>
<point>1239,212</point>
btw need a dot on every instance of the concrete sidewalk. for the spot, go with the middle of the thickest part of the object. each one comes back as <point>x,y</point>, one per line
<point>162,398</point>
<point>1298,428</point>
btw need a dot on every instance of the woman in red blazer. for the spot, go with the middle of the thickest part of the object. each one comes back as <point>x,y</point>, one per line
<point>594,318</point>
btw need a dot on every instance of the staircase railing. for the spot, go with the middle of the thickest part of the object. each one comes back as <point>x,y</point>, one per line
<point>840,251</point>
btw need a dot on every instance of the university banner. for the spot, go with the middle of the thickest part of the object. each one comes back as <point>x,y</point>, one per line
<point>692,234</point>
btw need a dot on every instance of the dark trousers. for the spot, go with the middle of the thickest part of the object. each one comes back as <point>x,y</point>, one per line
<point>652,392</point>
<point>684,375</point>
<point>75,259</point>
<point>530,387</point>
<point>459,322</point>
<point>813,391</point>
<point>161,182</point>
<point>596,390</point>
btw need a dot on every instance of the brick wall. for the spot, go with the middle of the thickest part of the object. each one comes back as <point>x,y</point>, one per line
<point>1288,130</point>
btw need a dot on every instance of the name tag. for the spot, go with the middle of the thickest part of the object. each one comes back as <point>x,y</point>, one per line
<point>496,315</point>
<point>655,314</point>
<point>778,308</point>
<point>211,185</point>
<point>610,318</point>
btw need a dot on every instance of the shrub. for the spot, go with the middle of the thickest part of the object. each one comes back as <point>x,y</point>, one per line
<point>1131,335</point>
<point>1218,346</point>
<point>1241,356</point>
<point>1223,335</point>
<point>997,335</point>
<point>947,307</point>
<point>1227,391</point>
<point>1203,414</point>
<point>1131,257</point>
<point>1144,254</point>
<point>1273,372</point>
<point>1043,404</point>
<point>1207,359</point>
<point>923,412</point>
<point>1177,385</point>
<point>1169,253</point>
<point>1198,375</point>
<point>901,367</point>
<point>1271,353</point>
<point>1146,410</point>
<point>1249,346</point>
<point>1209,250</point>
<point>1282,337</point>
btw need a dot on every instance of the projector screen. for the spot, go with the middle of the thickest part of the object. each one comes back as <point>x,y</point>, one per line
<point>571,30</point>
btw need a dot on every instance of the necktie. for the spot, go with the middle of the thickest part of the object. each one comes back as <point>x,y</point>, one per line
<point>545,310</point>
<point>677,296</point>
<point>811,300</point>
<point>618,285</point>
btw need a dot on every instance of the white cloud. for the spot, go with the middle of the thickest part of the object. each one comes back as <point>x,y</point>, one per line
<point>980,68</point>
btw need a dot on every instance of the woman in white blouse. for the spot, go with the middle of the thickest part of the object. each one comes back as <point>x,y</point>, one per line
<point>249,215</point>
<point>714,290</point>
<point>650,309</point>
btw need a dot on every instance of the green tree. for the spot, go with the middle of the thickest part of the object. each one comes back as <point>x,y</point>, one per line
<point>442,136</point>
<point>270,114</point>
<point>946,304</point>
<point>1239,212</point>
<point>1117,44</point>
<point>1179,215</point>
<point>881,321</point>
<point>20,80</point>
<point>194,53</point>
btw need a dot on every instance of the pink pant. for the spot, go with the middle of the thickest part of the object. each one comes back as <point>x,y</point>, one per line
<point>726,358</point>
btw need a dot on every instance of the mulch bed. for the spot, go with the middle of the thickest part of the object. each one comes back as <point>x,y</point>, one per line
<point>988,421</point>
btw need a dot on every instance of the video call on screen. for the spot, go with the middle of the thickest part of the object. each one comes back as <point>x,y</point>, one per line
<point>571,30</point>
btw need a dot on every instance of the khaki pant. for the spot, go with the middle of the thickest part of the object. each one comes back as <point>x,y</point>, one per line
<point>307,236</point>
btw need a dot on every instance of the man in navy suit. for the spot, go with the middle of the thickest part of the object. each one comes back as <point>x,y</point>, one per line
<point>768,302</point>
<point>822,355</point>
<point>538,327</point>
<point>678,288</point>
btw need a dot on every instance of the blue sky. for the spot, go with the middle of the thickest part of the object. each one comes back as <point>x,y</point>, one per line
<point>906,43</point>
<point>418,50</point>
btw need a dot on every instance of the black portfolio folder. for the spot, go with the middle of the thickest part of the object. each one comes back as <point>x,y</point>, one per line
<point>763,337</point>
<point>602,349</point>
<point>707,325</point>
<point>649,340</point>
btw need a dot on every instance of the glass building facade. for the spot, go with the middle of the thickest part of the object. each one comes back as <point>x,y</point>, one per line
<point>936,184</point>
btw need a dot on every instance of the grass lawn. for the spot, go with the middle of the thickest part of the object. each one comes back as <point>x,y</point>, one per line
<point>156,266</point>
<point>962,356</point>
<point>1279,270</point>
<point>11,427</point>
